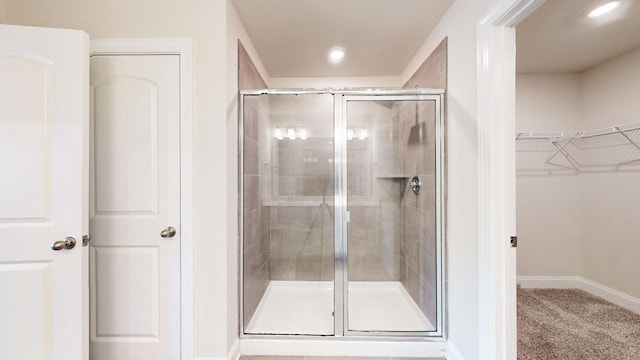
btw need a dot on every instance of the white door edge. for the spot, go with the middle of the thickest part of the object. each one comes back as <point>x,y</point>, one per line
<point>496,173</point>
<point>183,48</point>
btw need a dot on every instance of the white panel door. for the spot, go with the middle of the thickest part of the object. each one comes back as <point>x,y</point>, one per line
<point>43,200</point>
<point>135,196</point>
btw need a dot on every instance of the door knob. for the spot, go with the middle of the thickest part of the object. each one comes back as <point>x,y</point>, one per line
<point>168,232</point>
<point>68,243</point>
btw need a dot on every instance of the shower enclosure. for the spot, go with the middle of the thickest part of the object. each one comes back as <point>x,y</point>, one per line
<point>341,198</point>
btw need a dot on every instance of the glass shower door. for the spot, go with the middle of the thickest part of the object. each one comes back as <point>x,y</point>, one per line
<point>392,233</point>
<point>288,214</point>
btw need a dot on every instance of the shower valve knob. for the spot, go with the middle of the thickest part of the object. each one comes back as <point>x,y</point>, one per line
<point>415,184</point>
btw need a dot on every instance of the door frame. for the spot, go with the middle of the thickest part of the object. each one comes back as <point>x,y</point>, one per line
<point>496,54</point>
<point>183,48</point>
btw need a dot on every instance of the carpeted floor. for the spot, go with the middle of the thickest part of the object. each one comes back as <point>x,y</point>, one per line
<point>571,324</point>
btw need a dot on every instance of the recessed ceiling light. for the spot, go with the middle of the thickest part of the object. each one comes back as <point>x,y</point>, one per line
<point>603,9</point>
<point>336,54</point>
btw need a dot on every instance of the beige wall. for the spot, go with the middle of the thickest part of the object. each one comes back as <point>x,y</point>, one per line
<point>581,224</point>
<point>548,102</point>
<point>610,92</point>
<point>548,207</point>
<point>611,201</point>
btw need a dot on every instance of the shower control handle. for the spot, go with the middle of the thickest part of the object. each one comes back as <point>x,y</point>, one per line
<point>169,232</point>
<point>415,184</point>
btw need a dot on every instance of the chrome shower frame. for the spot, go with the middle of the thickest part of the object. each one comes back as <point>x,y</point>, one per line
<point>341,98</point>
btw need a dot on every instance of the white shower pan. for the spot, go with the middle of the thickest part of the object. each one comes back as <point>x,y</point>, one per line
<point>306,308</point>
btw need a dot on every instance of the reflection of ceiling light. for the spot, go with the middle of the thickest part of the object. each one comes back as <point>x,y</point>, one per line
<point>360,133</point>
<point>603,9</point>
<point>291,133</point>
<point>336,54</point>
<point>349,134</point>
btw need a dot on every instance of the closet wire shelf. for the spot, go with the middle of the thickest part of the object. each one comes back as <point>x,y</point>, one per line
<point>613,148</point>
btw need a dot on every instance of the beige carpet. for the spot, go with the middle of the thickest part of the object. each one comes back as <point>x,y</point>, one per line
<point>572,324</point>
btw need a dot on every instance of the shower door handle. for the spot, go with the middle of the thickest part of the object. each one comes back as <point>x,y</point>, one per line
<point>169,232</point>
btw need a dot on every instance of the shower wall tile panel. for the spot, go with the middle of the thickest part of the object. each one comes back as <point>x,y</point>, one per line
<point>257,186</point>
<point>432,73</point>
<point>418,212</point>
<point>302,239</point>
<point>248,75</point>
<point>374,252</point>
<point>302,243</point>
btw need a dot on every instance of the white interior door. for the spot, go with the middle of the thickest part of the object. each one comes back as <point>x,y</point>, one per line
<point>135,202</point>
<point>43,200</point>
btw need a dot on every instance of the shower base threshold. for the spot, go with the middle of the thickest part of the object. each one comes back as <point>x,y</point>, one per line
<point>306,308</point>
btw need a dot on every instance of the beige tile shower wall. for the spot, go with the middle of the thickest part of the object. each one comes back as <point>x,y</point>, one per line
<point>248,75</point>
<point>302,215</point>
<point>302,243</point>
<point>256,216</point>
<point>433,71</point>
<point>373,194</point>
<point>257,186</point>
<point>418,212</point>
<point>302,240</point>
<point>2,12</point>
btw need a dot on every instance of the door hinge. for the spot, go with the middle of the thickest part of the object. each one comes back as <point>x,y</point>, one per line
<point>514,241</point>
<point>347,216</point>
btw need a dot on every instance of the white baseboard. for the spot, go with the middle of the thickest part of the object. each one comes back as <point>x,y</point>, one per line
<point>549,282</point>
<point>576,282</point>
<point>619,298</point>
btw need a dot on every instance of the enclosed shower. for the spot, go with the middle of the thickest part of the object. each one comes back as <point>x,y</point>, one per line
<point>342,212</point>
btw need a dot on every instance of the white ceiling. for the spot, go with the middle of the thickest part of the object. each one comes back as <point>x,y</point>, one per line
<point>558,37</point>
<point>292,37</point>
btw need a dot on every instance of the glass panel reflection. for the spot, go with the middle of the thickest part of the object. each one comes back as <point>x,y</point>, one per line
<point>392,230</point>
<point>288,224</point>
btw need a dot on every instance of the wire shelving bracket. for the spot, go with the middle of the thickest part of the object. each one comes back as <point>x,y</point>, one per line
<point>611,148</point>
